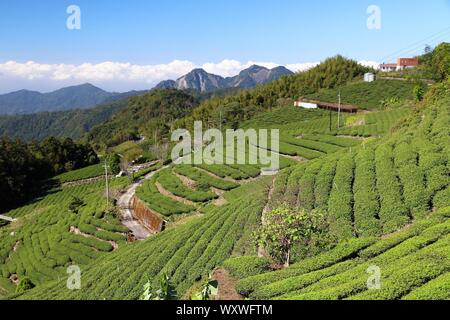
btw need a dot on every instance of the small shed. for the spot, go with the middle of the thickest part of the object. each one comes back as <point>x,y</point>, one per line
<point>369,77</point>
<point>306,105</point>
<point>328,105</point>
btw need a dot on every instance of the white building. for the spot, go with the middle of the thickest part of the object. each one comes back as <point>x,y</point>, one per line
<point>369,77</point>
<point>305,105</point>
<point>402,64</point>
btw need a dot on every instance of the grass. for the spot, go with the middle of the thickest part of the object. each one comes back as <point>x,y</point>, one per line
<point>367,95</point>
<point>93,171</point>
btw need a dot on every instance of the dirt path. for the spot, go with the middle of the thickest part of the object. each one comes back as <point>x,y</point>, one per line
<point>127,219</point>
<point>227,284</point>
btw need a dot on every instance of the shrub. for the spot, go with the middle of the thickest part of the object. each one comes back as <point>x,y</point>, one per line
<point>340,203</point>
<point>242,267</point>
<point>24,285</point>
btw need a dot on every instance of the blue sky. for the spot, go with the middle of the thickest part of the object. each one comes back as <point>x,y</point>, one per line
<point>157,32</point>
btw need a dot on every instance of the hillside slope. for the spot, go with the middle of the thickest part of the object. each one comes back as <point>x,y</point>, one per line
<point>390,186</point>
<point>62,124</point>
<point>76,97</point>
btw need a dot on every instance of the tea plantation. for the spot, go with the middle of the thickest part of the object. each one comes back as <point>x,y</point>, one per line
<point>382,181</point>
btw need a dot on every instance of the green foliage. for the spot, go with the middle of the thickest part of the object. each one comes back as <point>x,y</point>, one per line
<point>202,178</point>
<point>24,285</point>
<point>418,93</point>
<point>246,266</point>
<point>24,168</point>
<point>210,289</point>
<point>62,124</point>
<point>164,291</point>
<point>367,95</point>
<point>393,213</point>
<point>340,203</point>
<point>439,64</point>
<point>150,115</point>
<point>113,161</point>
<point>366,201</point>
<point>93,171</point>
<point>283,228</point>
<point>173,184</point>
<point>149,193</point>
<point>341,252</point>
<point>331,73</point>
<point>75,205</point>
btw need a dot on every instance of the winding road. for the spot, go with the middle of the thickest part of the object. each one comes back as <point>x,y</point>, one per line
<point>127,218</point>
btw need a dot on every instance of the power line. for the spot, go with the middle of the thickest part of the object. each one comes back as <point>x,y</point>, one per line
<point>419,49</point>
<point>421,42</point>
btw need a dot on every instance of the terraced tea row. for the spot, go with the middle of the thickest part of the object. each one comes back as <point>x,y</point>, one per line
<point>413,263</point>
<point>380,186</point>
<point>50,235</point>
<point>187,253</point>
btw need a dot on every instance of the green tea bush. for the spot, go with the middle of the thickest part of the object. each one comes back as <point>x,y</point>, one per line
<point>324,183</point>
<point>340,204</point>
<point>203,178</point>
<point>174,185</point>
<point>393,213</point>
<point>341,252</point>
<point>366,206</point>
<point>246,266</point>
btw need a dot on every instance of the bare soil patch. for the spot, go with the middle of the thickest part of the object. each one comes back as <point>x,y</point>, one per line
<point>227,290</point>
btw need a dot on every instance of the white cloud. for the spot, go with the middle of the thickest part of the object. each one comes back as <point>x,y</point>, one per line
<point>372,64</point>
<point>116,76</point>
<point>296,67</point>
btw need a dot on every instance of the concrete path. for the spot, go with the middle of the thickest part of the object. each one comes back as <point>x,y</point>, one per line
<point>124,202</point>
<point>2,217</point>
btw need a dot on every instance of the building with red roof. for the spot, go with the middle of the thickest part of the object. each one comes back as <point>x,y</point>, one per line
<point>402,64</point>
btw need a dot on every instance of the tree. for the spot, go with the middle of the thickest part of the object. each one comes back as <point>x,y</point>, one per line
<point>283,228</point>
<point>164,290</point>
<point>441,61</point>
<point>418,93</point>
<point>114,163</point>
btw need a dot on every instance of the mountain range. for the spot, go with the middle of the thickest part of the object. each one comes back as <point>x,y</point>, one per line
<point>83,96</point>
<point>87,96</point>
<point>202,81</point>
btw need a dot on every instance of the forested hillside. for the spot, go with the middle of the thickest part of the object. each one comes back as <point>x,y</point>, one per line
<point>63,124</point>
<point>150,114</point>
<point>329,74</point>
<point>25,168</point>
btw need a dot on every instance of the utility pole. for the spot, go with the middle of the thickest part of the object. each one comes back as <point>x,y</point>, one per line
<point>220,119</point>
<point>107,186</point>
<point>330,120</point>
<point>339,111</point>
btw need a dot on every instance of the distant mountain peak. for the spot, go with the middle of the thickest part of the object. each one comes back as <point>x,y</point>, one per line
<point>200,80</point>
<point>81,96</point>
<point>256,67</point>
